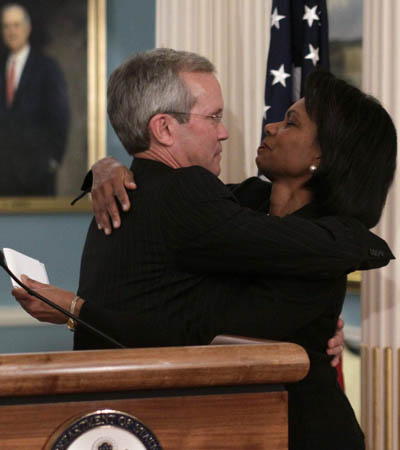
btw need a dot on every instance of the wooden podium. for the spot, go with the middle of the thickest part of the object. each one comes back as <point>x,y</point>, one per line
<point>206,397</point>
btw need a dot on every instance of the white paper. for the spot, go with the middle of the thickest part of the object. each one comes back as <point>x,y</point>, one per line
<point>20,264</point>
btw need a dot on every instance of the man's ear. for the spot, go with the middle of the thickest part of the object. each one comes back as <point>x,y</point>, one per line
<point>161,128</point>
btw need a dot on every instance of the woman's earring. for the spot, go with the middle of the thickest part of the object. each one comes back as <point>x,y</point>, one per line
<point>313,168</point>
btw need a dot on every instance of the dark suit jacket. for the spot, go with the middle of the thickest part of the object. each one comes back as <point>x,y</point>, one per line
<point>316,402</point>
<point>189,263</point>
<point>33,131</point>
<point>175,253</point>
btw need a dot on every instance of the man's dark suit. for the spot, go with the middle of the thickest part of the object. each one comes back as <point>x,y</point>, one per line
<point>189,263</point>
<point>33,131</point>
<point>187,250</point>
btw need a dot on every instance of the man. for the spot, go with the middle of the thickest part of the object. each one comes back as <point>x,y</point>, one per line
<point>188,261</point>
<point>34,113</point>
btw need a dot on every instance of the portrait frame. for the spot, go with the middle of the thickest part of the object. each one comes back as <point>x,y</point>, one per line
<point>95,135</point>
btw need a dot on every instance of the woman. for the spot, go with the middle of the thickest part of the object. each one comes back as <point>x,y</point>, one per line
<point>334,153</point>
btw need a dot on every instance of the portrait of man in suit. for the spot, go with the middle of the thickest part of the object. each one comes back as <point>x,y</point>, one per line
<point>34,111</point>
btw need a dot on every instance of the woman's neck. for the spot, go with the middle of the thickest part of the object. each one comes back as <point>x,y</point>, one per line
<point>286,199</point>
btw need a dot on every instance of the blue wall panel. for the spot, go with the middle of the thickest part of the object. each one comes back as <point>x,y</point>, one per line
<point>130,29</point>
<point>57,239</point>
<point>54,239</point>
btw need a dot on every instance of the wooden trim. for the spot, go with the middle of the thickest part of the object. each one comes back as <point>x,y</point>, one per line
<point>151,368</point>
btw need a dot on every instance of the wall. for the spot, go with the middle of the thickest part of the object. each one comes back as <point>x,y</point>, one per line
<point>234,35</point>
<point>130,29</point>
<point>57,239</point>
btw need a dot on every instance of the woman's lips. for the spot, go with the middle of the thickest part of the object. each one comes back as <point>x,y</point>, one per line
<point>263,146</point>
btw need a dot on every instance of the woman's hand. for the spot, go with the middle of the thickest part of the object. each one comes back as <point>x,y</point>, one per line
<point>39,309</point>
<point>336,344</point>
<point>110,179</point>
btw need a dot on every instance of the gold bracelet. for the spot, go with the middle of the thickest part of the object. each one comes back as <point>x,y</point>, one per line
<point>71,323</point>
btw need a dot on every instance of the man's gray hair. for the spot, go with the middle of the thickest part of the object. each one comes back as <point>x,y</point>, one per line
<point>8,6</point>
<point>149,84</point>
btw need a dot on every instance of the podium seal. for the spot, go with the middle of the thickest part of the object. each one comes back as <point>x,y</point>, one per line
<point>104,430</point>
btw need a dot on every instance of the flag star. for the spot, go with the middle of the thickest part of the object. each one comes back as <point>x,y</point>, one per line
<point>310,14</point>
<point>313,55</point>
<point>266,108</point>
<point>275,18</point>
<point>280,76</point>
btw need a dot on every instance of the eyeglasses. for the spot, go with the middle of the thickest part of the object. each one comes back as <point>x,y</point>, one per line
<point>217,118</point>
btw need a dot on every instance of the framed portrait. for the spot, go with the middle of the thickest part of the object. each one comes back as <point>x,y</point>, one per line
<point>52,101</point>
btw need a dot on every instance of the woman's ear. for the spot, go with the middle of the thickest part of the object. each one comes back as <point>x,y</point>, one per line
<point>161,128</point>
<point>316,160</point>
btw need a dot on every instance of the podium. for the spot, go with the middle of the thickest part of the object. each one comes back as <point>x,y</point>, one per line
<point>206,397</point>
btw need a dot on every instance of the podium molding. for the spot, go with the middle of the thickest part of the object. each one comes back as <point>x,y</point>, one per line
<point>205,397</point>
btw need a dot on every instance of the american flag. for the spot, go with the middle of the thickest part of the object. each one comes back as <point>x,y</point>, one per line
<point>298,44</point>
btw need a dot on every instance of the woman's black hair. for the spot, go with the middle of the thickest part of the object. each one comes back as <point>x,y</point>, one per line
<point>358,149</point>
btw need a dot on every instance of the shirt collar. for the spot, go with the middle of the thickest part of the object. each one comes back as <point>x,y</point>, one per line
<point>21,54</point>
